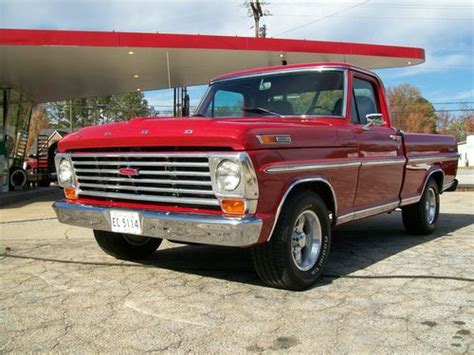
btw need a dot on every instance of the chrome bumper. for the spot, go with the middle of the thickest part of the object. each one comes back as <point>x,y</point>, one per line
<point>183,227</point>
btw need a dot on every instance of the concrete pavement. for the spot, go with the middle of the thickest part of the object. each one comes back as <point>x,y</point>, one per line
<point>384,292</point>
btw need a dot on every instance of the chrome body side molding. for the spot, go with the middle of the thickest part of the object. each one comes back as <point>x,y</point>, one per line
<point>367,212</point>
<point>433,159</point>
<point>308,167</point>
<point>410,200</point>
<point>383,162</point>
<point>331,165</point>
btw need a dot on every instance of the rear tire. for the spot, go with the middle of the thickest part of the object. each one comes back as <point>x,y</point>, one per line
<point>421,218</point>
<point>298,250</point>
<point>126,246</point>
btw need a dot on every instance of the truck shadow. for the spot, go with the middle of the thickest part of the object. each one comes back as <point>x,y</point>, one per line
<point>355,247</point>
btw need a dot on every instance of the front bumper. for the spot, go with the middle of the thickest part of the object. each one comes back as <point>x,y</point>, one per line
<point>182,227</point>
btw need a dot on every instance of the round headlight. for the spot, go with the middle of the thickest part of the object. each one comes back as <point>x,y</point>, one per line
<point>65,172</point>
<point>228,175</point>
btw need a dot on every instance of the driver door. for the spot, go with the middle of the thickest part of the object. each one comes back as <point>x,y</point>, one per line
<point>380,149</point>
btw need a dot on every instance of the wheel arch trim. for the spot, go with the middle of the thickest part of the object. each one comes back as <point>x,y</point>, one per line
<point>317,179</point>
<point>429,176</point>
<point>417,198</point>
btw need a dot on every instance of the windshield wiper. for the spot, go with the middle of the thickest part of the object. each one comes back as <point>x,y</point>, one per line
<point>199,115</point>
<point>261,111</point>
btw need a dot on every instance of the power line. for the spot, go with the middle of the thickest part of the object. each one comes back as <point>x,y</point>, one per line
<point>324,17</point>
<point>327,4</point>
<point>380,18</point>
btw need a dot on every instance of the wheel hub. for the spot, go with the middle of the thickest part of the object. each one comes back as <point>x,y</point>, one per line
<point>306,240</point>
<point>431,205</point>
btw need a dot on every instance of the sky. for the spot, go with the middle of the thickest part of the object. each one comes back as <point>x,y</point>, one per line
<point>444,28</point>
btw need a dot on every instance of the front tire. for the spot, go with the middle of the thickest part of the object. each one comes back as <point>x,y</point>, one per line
<point>298,250</point>
<point>126,246</point>
<point>421,218</point>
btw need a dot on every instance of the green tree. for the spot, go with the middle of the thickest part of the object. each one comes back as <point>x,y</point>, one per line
<point>78,113</point>
<point>410,111</point>
<point>458,126</point>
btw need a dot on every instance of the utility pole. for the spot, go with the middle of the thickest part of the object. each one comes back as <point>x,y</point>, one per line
<point>254,8</point>
<point>257,13</point>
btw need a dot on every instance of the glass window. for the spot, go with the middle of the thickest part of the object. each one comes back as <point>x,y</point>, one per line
<point>330,102</point>
<point>226,104</point>
<point>365,99</point>
<point>318,93</point>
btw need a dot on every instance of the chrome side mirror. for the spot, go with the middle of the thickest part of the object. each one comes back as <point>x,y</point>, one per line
<point>373,119</point>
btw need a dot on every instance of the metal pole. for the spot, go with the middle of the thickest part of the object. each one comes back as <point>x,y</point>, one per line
<point>174,102</point>
<point>71,125</point>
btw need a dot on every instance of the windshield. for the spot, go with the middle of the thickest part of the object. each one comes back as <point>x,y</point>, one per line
<point>313,93</point>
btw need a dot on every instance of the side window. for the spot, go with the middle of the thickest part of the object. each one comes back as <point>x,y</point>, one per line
<point>330,103</point>
<point>365,99</point>
<point>226,104</point>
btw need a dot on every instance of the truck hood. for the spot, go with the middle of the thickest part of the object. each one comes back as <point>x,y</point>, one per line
<point>187,132</point>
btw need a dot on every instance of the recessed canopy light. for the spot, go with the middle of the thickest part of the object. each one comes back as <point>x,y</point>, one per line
<point>131,52</point>
<point>409,63</point>
<point>136,76</point>
<point>138,89</point>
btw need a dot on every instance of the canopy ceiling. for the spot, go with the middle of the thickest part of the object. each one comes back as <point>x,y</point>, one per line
<point>56,65</point>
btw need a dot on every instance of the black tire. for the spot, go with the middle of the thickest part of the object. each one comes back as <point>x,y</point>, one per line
<point>18,179</point>
<point>274,261</point>
<point>126,246</point>
<point>417,218</point>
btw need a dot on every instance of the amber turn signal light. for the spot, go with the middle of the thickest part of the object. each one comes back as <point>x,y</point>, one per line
<point>233,206</point>
<point>268,139</point>
<point>70,192</point>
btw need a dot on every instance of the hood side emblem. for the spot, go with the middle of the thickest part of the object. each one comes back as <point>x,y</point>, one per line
<point>144,132</point>
<point>108,133</point>
<point>188,131</point>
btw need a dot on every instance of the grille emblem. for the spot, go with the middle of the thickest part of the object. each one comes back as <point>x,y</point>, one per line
<point>128,171</point>
<point>188,131</point>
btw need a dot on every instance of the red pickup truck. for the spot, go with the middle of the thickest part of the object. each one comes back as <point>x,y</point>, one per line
<point>272,159</point>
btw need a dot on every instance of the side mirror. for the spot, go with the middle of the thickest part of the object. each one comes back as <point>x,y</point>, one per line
<point>373,119</point>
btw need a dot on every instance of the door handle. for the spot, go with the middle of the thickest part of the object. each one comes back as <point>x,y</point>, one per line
<point>395,137</point>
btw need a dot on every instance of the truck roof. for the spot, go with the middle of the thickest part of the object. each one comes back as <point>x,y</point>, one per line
<point>290,67</point>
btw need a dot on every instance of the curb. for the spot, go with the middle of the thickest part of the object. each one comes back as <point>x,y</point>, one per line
<point>465,187</point>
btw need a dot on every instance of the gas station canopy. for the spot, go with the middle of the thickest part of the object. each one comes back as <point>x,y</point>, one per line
<point>56,65</point>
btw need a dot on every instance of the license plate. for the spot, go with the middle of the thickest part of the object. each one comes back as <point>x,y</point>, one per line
<point>125,222</point>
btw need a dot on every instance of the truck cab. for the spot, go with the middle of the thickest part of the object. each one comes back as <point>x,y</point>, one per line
<point>272,160</point>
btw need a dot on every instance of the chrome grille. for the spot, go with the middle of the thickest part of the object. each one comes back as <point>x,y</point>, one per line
<point>172,178</point>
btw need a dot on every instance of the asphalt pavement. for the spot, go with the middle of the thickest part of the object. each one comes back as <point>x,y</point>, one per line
<point>383,292</point>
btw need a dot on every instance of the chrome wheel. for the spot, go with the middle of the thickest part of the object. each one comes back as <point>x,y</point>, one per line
<point>136,240</point>
<point>306,240</point>
<point>431,205</point>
